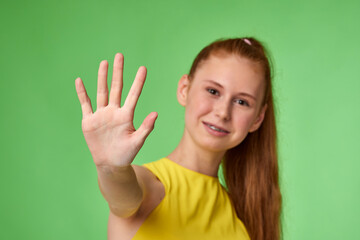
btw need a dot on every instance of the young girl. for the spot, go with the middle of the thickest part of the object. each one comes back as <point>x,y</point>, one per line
<point>229,119</point>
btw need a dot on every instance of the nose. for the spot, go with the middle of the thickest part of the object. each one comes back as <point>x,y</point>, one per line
<point>222,109</point>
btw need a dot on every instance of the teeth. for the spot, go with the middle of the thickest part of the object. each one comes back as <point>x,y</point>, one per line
<point>216,129</point>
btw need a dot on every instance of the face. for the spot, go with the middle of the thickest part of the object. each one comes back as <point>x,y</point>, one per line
<point>222,102</point>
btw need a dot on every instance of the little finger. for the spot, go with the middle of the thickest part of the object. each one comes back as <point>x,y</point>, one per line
<point>83,98</point>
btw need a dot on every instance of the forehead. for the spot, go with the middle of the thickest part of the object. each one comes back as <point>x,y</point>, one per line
<point>232,72</point>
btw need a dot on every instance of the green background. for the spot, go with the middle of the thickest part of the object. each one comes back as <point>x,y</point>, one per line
<point>48,179</point>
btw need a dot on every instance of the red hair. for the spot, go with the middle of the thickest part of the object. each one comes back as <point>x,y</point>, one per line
<point>251,168</point>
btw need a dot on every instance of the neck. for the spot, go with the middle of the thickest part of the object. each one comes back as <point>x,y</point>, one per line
<point>196,158</point>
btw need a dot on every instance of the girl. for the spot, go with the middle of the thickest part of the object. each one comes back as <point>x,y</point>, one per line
<point>229,120</point>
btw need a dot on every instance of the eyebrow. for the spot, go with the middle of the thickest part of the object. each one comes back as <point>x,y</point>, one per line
<point>241,93</point>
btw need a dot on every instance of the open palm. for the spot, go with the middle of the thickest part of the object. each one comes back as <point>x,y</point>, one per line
<point>109,132</point>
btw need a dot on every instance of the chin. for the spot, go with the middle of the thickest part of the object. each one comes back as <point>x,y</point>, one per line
<point>215,147</point>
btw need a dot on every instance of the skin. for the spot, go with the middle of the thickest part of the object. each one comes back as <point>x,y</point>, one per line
<point>133,191</point>
<point>213,97</point>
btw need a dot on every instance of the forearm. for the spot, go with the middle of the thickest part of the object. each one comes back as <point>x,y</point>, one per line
<point>120,188</point>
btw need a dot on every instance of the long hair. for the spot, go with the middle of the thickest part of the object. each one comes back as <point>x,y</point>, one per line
<point>251,168</point>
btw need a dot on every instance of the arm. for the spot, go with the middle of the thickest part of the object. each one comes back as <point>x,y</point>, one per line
<point>121,189</point>
<point>112,138</point>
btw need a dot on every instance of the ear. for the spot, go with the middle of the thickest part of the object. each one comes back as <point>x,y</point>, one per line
<point>259,119</point>
<point>182,90</point>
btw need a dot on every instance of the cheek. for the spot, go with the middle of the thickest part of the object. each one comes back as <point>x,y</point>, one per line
<point>244,121</point>
<point>198,106</point>
<point>196,110</point>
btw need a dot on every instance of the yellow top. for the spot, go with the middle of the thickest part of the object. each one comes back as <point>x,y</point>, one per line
<point>196,206</point>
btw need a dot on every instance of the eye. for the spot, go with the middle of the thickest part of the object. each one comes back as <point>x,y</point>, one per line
<point>212,91</point>
<point>242,102</point>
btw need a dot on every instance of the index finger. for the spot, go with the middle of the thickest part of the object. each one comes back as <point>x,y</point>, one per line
<point>135,90</point>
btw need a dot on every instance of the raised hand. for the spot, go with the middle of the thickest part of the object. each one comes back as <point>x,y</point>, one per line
<point>109,132</point>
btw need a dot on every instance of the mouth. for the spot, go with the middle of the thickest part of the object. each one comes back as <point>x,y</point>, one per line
<point>216,128</point>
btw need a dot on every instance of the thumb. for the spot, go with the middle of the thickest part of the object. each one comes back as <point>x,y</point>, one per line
<point>147,126</point>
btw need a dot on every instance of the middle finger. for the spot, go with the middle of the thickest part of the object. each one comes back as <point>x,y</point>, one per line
<point>117,80</point>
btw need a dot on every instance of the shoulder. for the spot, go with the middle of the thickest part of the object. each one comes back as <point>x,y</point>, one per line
<point>151,184</point>
<point>145,175</point>
<point>153,190</point>
<point>156,170</point>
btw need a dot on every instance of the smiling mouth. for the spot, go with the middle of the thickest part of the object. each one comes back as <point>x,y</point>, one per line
<point>215,128</point>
